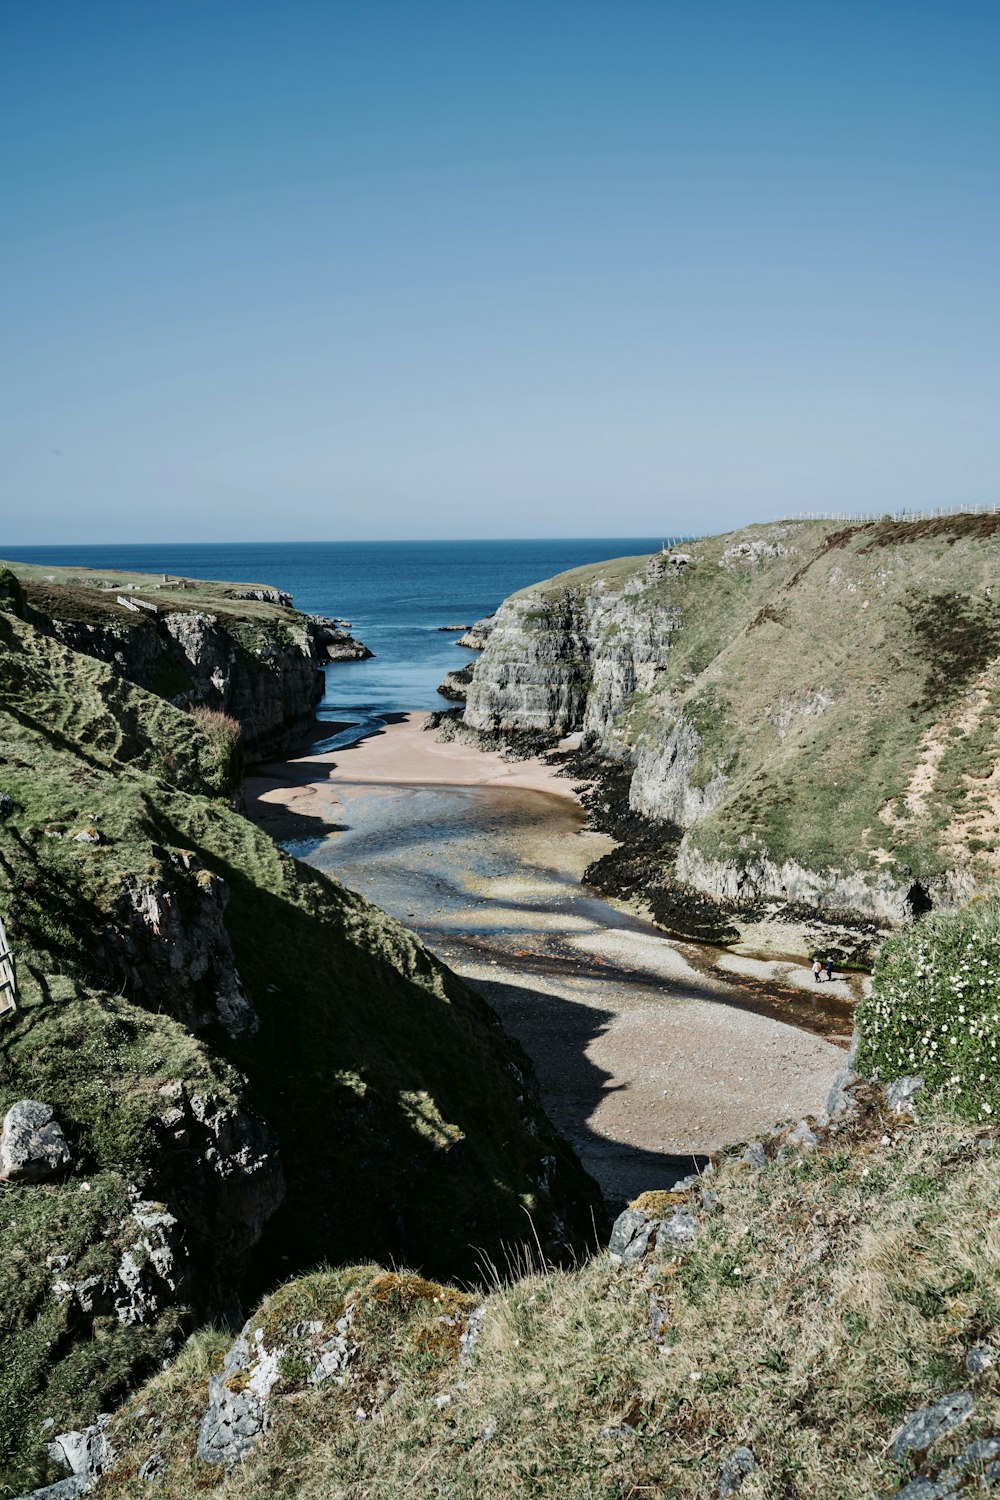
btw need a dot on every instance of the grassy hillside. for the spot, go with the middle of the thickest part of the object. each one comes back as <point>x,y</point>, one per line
<point>406,1120</point>
<point>90,595</point>
<point>822,1301</point>
<point>822,681</point>
<point>805,699</point>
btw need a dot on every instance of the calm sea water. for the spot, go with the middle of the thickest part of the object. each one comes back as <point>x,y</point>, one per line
<point>396,595</point>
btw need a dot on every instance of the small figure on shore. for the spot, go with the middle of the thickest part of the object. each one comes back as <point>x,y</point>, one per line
<point>817,969</point>
<point>829,968</point>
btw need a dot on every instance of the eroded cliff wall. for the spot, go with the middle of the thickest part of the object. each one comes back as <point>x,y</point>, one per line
<point>817,707</point>
<point>240,650</point>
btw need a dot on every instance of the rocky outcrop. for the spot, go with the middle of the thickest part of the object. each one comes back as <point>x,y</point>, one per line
<point>455,685</point>
<point>169,948</point>
<point>787,698</point>
<point>239,1397</point>
<point>334,641</point>
<point>222,1175</point>
<point>265,673</point>
<point>568,659</point>
<point>149,1276</point>
<point>269,680</point>
<point>477,635</point>
<point>262,595</point>
<point>877,896</point>
<point>32,1145</point>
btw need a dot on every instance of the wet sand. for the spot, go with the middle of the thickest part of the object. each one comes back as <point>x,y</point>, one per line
<point>648,1053</point>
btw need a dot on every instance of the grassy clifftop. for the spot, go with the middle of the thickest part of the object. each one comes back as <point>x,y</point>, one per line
<point>203,1014</point>
<point>818,1302</point>
<point>238,649</point>
<point>817,706</point>
<point>90,595</point>
<point>843,683</point>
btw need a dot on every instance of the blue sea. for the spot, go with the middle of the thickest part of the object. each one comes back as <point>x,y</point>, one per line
<point>396,595</point>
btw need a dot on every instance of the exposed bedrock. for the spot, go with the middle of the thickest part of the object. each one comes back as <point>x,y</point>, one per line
<point>567,661</point>
<point>334,641</point>
<point>455,685</point>
<point>815,706</point>
<point>877,896</point>
<point>264,673</point>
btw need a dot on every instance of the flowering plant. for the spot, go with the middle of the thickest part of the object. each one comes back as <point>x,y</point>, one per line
<point>934,1008</point>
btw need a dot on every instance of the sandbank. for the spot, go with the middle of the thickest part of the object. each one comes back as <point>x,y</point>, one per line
<point>296,797</point>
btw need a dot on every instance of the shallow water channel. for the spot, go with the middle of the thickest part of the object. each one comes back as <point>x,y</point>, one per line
<point>647,1057</point>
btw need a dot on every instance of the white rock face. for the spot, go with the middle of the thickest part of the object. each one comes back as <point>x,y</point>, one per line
<point>32,1145</point>
<point>662,784</point>
<point>874,895</point>
<point>569,662</point>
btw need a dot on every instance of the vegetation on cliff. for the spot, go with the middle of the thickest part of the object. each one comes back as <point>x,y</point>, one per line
<point>193,1001</point>
<point>934,1009</point>
<point>235,649</point>
<point>818,706</point>
<point>818,1296</point>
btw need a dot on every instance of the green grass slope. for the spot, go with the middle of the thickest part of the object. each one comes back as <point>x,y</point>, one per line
<point>407,1121</point>
<point>824,1300</point>
<point>839,685</point>
<point>821,680</point>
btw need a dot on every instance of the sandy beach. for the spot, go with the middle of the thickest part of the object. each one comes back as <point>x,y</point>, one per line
<point>287,797</point>
<point>649,1052</point>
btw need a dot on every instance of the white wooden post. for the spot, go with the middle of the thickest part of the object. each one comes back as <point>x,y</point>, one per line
<point>8,975</point>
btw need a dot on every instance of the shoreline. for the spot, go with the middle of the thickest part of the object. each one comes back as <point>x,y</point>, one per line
<point>295,798</point>
<point>649,1051</point>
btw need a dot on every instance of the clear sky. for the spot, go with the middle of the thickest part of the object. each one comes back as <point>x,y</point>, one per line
<point>436,269</point>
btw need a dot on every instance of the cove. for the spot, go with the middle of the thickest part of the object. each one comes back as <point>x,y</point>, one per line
<point>648,1055</point>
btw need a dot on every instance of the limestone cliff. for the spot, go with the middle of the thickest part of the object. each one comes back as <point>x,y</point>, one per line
<point>813,709</point>
<point>242,651</point>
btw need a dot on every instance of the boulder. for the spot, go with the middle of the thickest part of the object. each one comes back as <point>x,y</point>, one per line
<point>926,1426</point>
<point>88,1454</point>
<point>980,1359</point>
<point>455,685</point>
<point>802,1138</point>
<point>755,1157</point>
<point>677,1233</point>
<point>840,1104</point>
<point>32,1145</point>
<point>738,1466</point>
<point>630,1223</point>
<point>6,806</point>
<point>900,1094</point>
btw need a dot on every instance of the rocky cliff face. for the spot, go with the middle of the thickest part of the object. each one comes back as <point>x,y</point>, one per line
<point>267,676</point>
<point>569,658</point>
<point>815,707</point>
<point>189,997</point>
<point>239,650</point>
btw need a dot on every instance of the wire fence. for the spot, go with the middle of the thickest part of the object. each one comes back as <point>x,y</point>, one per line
<point>930,514</point>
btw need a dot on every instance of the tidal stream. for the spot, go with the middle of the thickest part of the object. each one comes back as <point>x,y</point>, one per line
<point>648,1056</point>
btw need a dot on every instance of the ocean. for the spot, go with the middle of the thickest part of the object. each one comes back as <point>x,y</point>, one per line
<point>396,595</point>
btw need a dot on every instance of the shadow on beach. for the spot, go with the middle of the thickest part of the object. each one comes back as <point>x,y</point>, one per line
<point>556,1033</point>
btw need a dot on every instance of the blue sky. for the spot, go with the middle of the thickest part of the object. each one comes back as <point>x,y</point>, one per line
<point>357,269</point>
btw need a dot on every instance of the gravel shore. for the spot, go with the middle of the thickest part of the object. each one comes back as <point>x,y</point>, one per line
<point>650,1053</point>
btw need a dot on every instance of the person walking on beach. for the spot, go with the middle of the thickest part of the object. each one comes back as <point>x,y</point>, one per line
<point>817,970</point>
<point>829,967</point>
